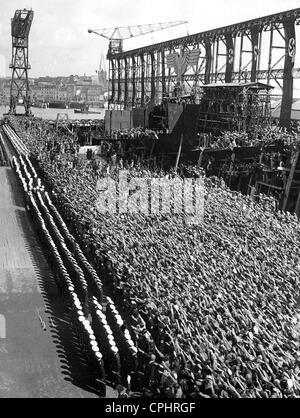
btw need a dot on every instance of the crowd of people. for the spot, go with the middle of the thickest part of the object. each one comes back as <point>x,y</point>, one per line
<point>263,137</point>
<point>215,306</point>
<point>133,134</point>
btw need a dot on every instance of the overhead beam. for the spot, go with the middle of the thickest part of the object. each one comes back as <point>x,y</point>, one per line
<point>153,76</point>
<point>262,23</point>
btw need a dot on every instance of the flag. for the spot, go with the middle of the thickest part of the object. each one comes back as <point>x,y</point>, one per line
<point>193,57</point>
<point>171,59</point>
<point>181,63</point>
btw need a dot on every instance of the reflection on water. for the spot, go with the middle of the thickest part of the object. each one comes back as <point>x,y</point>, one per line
<point>52,113</point>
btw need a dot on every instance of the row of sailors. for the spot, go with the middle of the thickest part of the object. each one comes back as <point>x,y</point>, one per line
<point>85,333</point>
<point>70,262</point>
<point>93,281</point>
<point>3,152</point>
<point>123,360</point>
<point>81,324</point>
<point>15,140</point>
<point>82,311</point>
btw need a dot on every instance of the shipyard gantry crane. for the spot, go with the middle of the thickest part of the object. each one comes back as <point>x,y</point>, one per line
<point>19,89</point>
<point>117,35</point>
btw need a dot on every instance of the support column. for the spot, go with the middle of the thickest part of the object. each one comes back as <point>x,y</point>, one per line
<point>163,74</point>
<point>230,58</point>
<point>255,33</point>
<point>158,94</point>
<point>153,86</point>
<point>208,63</point>
<point>216,57</point>
<point>142,80</point>
<point>112,83</point>
<point>288,78</point>
<point>270,54</point>
<point>241,57</point>
<point>125,83</point>
<point>119,82</point>
<point>133,81</point>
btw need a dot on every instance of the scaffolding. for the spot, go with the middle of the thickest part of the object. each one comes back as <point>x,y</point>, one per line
<point>241,107</point>
<point>228,54</point>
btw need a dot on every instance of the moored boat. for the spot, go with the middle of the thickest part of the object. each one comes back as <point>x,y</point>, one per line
<point>58,105</point>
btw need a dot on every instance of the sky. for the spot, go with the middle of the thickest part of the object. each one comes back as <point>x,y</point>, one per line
<point>60,45</point>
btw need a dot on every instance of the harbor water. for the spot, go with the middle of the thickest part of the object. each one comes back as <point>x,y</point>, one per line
<point>51,114</point>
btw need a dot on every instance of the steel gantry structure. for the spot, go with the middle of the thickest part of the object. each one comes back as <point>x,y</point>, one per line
<point>255,50</point>
<point>19,89</point>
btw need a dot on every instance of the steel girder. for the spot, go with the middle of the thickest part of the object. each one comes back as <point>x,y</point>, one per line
<point>227,54</point>
<point>220,77</point>
<point>264,24</point>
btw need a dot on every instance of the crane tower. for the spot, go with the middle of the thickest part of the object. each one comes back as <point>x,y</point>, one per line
<point>117,35</point>
<point>19,89</point>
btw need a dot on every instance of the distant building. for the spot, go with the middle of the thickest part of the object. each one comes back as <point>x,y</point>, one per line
<point>102,74</point>
<point>62,94</point>
<point>5,91</point>
<point>94,93</point>
<point>44,92</point>
<point>95,80</point>
<point>66,89</point>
